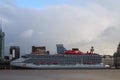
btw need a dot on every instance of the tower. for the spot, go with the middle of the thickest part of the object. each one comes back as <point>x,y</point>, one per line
<point>118,49</point>
<point>116,56</point>
<point>2,35</point>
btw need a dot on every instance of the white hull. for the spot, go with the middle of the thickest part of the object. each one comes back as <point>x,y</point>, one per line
<point>20,63</point>
<point>33,66</point>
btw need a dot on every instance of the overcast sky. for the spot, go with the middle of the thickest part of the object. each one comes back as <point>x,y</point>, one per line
<point>74,23</point>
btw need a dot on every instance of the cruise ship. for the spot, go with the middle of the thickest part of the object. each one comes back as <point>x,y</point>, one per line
<point>69,59</point>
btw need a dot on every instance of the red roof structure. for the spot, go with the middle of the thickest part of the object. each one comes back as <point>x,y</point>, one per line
<point>73,52</point>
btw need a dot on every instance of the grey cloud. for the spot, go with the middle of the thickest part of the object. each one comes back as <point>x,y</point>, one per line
<point>111,34</point>
<point>74,26</point>
<point>109,4</point>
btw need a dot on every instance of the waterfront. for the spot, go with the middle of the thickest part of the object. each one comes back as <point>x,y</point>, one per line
<point>78,74</point>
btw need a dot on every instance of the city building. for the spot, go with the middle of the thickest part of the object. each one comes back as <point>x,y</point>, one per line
<point>39,50</point>
<point>60,48</point>
<point>14,52</point>
<point>108,60</point>
<point>116,56</point>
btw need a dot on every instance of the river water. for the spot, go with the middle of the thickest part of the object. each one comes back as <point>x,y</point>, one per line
<point>79,74</point>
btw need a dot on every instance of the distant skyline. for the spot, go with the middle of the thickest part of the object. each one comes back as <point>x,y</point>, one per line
<point>74,23</point>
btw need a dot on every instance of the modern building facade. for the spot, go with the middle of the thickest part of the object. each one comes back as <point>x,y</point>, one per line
<point>14,52</point>
<point>60,48</point>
